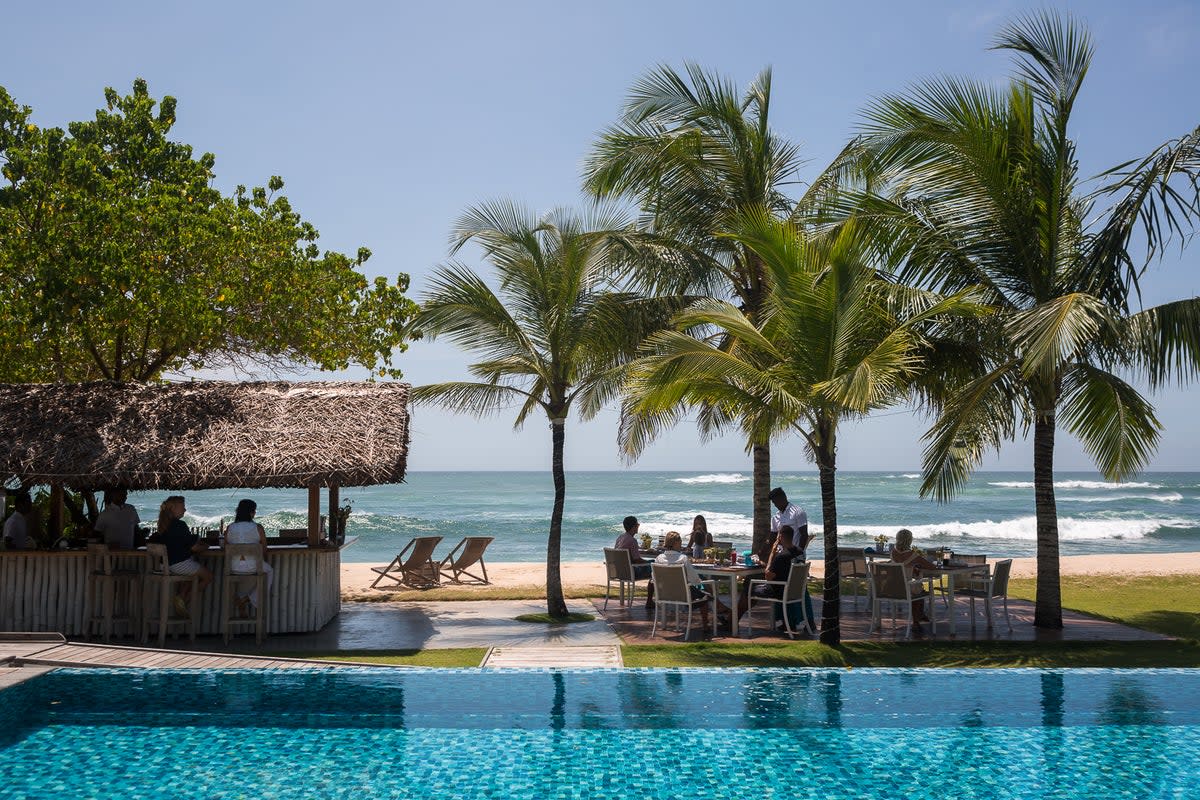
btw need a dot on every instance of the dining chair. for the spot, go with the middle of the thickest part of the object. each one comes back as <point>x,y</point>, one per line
<point>852,566</point>
<point>618,565</point>
<point>990,588</point>
<point>891,584</point>
<point>672,591</point>
<point>792,594</point>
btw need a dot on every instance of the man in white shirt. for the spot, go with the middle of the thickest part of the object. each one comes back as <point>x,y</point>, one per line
<point>117,521</point>
<point>16,527</point>
<point>792,516</point>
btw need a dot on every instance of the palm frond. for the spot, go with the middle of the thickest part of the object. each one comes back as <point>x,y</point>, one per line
<point>1057,331</point>
<point>477,399</point>
<point>1115,424</point>
<point>979,417</point>
<point>1165,341</point>
<point>1055,56</point>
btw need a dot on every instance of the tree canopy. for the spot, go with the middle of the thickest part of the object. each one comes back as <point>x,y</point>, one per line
<point>120,260</point>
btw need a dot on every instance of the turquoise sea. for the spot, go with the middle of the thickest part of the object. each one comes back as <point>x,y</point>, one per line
<point>1156,512</point>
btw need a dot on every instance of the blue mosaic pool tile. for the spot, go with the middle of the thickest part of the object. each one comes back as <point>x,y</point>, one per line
<point>986,734</point>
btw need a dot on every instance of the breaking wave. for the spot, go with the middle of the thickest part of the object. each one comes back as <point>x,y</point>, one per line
<point>1168,497</point>
<point>1069,528</point>
<point>1077,485</point>
<point>722,477</point>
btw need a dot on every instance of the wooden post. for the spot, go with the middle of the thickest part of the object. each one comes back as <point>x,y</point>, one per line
<point>314,514</point>
<point>335,530</point>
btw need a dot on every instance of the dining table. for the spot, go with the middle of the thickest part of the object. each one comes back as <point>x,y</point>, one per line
<point>731,573</point>
<point>953,572</point>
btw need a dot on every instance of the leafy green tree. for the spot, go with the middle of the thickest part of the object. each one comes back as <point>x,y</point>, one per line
<point>983,190</point>
<point>695,153</point>
<point>120,260</point>
<point>555,337</point>
<point>833,340</point>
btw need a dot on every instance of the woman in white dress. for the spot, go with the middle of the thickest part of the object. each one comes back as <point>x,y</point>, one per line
<point>244,530</point>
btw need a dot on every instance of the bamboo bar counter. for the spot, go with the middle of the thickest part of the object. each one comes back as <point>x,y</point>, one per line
<point>180,437</point>
<point>44,590</point>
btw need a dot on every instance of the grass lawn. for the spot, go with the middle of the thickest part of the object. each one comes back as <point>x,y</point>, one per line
<point>1168,604</point>
<point>449,657</point>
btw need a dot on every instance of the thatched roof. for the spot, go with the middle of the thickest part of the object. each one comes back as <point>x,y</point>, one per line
<point>204,435</point>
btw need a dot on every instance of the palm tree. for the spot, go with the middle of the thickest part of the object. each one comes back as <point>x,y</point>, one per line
<point>555,336</point>
<point>832,341</point>
<point>695,153</point>
<point>983,190</point>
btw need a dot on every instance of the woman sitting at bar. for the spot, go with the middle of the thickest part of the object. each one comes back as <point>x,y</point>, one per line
<point>181,544</point>
<point>245,530</point>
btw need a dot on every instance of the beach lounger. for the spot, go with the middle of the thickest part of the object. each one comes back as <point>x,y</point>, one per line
<point>458,563</point>
<point>414,565</point>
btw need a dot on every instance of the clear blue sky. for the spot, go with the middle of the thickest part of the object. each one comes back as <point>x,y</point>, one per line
<point>386,120</point>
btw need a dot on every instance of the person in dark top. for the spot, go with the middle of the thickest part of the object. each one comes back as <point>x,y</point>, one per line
<point>181,543</point>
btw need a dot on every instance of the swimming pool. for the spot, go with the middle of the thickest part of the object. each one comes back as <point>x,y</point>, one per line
<point>756,733</point>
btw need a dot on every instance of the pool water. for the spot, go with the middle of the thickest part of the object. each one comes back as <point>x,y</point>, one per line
<point>755,733</point>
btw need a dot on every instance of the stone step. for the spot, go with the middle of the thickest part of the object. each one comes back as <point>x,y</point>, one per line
<point>560,656</point>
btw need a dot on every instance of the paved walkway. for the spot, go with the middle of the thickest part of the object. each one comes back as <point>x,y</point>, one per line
<point>24,656</point>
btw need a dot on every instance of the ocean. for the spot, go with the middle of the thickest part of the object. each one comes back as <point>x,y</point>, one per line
<point>1155,513</point>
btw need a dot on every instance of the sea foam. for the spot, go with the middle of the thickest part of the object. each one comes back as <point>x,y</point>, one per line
<point>724,477</point>
<point>1168,497</point>
<point>1069,528</point>
<point>1077,485</point>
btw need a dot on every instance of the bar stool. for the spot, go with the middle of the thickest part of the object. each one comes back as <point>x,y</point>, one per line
<point>118,590</point>
<point>159,579</point>
<point>246,557</point>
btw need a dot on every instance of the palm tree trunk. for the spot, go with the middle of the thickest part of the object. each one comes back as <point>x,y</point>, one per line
<point>762,505</point>
<point>831,633</point>
<point>1048,611</point>
<point>556,605</point>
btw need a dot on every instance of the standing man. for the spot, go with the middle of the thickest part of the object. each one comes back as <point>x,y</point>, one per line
<point>117,521</point>
<point>792,516</point>
<point>16,527</point>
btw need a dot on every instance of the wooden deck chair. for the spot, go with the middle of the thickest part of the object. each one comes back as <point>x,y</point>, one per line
<point>457,563</point>
<point>414,565</point>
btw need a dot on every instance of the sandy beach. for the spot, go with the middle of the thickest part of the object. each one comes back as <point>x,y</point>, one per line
<point>357,578</point>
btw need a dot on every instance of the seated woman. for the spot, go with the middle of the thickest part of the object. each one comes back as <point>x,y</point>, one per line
<point>902,553</point>
<point>671,556</point>
<point>181,544</point>
<point>700,538</point>
<point>778,561</point>
<point>244,530</point>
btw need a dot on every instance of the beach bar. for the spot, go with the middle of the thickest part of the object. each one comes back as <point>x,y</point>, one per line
<point>191,436</point>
